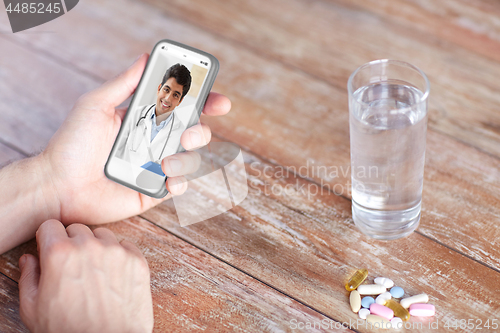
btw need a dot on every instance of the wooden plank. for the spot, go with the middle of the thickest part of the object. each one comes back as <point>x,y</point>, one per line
<point>472,25</point>
<point>305,244</point>
<point>36,97</point>
<point>8,155</point>
<point>10,321</point>
<point>193,291</point>
<point>461,199</point>
<point>330,41</point>
<point>9,261</point>
<point>260,90</point>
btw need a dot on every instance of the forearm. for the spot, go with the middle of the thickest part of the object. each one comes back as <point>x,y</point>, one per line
<point>27,199</point>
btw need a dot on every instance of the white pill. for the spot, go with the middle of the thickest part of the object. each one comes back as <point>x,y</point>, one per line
<point>388,283</point>
<point>406,302</point>
<point>382,298</point>
<point>397,322</point>
<point>363,313</point>
<point>422,310</point>
<point>355,301</point>
<point>371,289</point>
<point>378,322</point>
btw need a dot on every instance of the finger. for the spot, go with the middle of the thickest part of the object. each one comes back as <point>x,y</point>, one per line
<point>217,105</point>
<point>118,89</point>
<point>181,163</point>
<point>48,233</point>
<point>176,185</point>
<point>28,288</point>
<point>196,136</point>
<point>79,230</point>
<point>106,235</point>
<point>148,202</point>
<point>132,248</point>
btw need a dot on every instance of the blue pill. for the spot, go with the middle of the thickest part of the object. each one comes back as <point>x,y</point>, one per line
<point>367,301</point>
<point>397,292</point>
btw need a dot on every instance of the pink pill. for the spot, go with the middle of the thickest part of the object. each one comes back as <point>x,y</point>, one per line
<point>422,310</point>
<point>382,311</point>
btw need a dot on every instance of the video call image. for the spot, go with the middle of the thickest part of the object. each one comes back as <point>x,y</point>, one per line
<point>161,112</point>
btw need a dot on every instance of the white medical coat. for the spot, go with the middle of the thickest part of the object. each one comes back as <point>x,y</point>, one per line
<point>137,148</point>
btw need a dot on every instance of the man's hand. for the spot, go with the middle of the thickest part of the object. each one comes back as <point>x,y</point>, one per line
<point>67,182</point>
<point>77,153</point>
<point>84,282</point>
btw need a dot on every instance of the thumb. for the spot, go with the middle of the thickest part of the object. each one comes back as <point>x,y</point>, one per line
<point>28,287</point>
<point>113,92</point>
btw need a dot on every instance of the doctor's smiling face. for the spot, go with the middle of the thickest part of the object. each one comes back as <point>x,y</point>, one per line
<point>169,96</point>
<point>171,91</point>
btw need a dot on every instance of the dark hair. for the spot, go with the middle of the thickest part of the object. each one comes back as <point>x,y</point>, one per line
<point>181,74</point>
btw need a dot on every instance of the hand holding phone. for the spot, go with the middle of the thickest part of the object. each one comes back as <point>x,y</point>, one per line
<point>66,181</point>
<point>169,99</point>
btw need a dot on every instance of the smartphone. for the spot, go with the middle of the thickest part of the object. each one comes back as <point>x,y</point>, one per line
<point>169,99</point>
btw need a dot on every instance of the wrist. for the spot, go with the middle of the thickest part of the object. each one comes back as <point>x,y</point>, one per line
<point>27,200</point>
<point>46,191</point>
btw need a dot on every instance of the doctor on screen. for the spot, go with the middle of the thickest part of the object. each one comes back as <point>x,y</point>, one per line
<point>156,129</point>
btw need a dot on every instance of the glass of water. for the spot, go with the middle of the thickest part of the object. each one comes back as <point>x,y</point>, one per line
<point>388,124</point>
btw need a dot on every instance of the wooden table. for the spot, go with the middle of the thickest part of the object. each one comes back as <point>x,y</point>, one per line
<point>279,260</point>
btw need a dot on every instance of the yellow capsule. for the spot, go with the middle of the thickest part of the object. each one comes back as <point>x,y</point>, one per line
<point>356,279</point>
<point>398,309</point>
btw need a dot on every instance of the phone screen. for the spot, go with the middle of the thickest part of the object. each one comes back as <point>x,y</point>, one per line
<point>168,100</point>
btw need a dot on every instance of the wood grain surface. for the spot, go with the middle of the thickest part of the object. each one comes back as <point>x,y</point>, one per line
<point>329,41</point>
<point>10,320</point>
<point>193,290</point>
<point>306,245</point>
<point>286,251</point>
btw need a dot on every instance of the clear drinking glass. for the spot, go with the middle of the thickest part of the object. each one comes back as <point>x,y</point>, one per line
<point>388,124</point>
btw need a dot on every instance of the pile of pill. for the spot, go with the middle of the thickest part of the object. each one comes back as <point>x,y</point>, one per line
<point>384,310</point>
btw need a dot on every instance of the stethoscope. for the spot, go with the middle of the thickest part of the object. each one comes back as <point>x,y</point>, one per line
<point>143,119</point>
